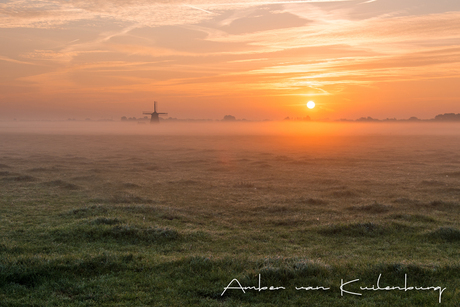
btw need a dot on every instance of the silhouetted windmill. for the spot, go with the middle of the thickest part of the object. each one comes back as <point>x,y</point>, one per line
<point>154,118</point>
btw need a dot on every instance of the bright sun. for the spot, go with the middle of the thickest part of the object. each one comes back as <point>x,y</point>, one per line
<point>310,104</point>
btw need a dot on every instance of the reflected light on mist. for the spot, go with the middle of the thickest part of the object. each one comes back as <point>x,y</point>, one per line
<point>280,128</point>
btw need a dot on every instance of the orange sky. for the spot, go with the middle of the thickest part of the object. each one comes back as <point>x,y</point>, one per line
<point>251,59</point>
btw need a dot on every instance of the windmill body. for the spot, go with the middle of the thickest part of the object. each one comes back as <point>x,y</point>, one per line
<point>155,115</point>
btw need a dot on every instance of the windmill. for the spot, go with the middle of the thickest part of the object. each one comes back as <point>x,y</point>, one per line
<point>154,118</point>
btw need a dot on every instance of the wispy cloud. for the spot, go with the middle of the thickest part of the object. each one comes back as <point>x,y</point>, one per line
<point>7,59</point>
<point>54,13</point>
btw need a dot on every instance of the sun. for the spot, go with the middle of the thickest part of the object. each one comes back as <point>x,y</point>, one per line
<point>310,104</point>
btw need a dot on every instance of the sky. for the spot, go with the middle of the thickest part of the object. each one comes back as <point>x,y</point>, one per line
<point>202,59</point>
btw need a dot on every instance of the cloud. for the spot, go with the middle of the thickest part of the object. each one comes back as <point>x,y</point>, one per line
<point>7,59</point>
<point>54,13</point>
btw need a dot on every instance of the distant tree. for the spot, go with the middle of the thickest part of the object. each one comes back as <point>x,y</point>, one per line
<point>123,118</point>
<point>287,118</point>
<point>447,117</point>
<point>413,118</point>
<point>229,118</point>
<point>366,119</point>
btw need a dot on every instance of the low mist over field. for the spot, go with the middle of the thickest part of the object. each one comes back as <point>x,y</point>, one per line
<point>286,128</point>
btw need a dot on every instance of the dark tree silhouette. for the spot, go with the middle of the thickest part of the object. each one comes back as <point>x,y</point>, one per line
<point>229,118</point>
<point>448,117</point>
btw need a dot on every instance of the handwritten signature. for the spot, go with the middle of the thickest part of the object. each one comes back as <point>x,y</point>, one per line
<point>343,284</point>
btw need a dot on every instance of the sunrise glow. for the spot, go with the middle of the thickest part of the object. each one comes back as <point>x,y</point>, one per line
<point>251,59</point>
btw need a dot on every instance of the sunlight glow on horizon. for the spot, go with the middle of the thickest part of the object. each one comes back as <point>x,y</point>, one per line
<point>205,59</point>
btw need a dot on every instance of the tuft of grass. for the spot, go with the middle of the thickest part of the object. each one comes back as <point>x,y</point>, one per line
<point>368,229</point>
<point>261,164</point>
<point>405,201</point>
<point>344,194</point>
<point>105,221</point>
<point>312,201</point>
<point>374,208</point>
<point>447,234</point>
<point>136,208</point>
<point>127,234</point>
<point>42,169</point>
<point>86,178</point>
<point>124,199</point>
<point>21,178</point>
<point>61,184</point>
<point>185,182</point>
<point>273,209</point>
<point>32,272</point>
<point>131,185</point>
<point>413,218</point>
<point>149,235</point>
<point>443,205</point>
<point>432,183</point>
<point>86,211</point>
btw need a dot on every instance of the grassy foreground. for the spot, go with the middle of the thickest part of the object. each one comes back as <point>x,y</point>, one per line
<point>95,227</point>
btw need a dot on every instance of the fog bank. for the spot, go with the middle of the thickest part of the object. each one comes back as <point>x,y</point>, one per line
<point>230,128</point>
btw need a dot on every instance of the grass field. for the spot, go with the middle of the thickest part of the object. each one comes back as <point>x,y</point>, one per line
<point>171,220</point>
